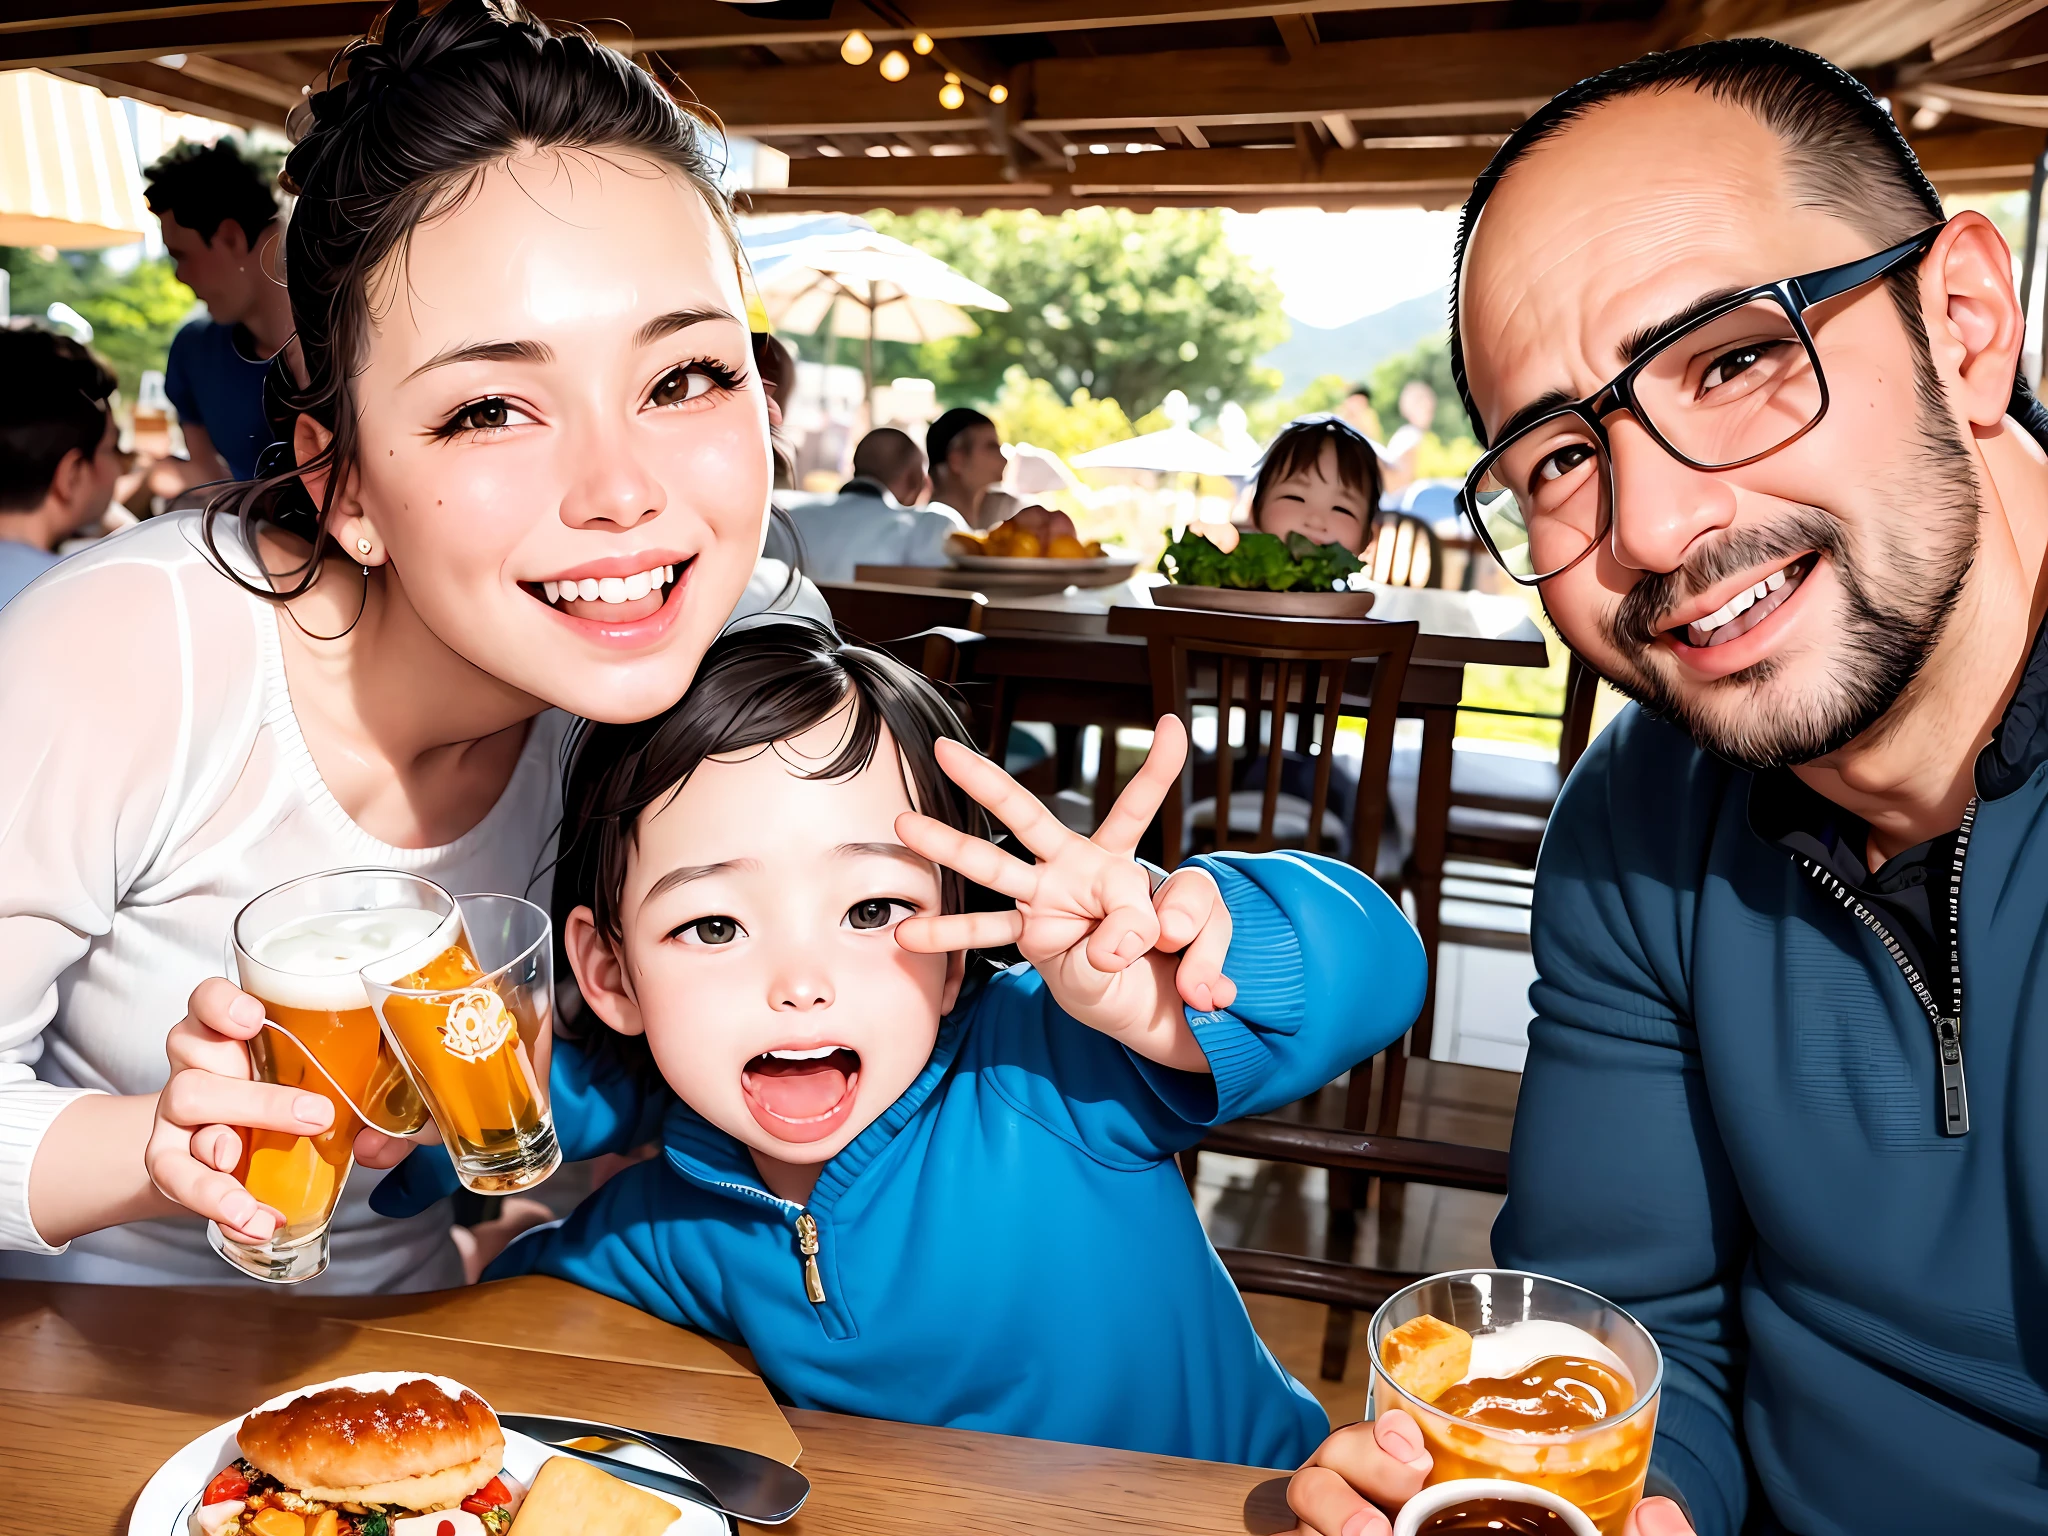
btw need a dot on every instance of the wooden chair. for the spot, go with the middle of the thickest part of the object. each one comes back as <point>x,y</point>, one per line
<point>1404,551</point>
<point>925,627</point>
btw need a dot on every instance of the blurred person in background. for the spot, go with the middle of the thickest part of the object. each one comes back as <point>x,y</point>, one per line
<point>966,456</point>
<point>1357,409</point>
<point>60,452</point>
<point>221,227</point>
<point>1417,405</point>
<point>875,519</point>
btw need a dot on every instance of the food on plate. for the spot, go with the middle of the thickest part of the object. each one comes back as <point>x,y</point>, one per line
<point>1261,562</point>
<point>386,1454</point>
<point>573,1498</point>
<point>1426,1354</point>
<point>1032,533</point>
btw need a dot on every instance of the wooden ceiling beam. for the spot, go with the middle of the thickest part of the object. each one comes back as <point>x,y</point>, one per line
<point>319,27</point>
<point>175,91</point>
<point>1980,157</point>
<point>1452,75</point>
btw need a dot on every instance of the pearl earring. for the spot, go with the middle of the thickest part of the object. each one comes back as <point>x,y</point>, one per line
<point>362,546</point>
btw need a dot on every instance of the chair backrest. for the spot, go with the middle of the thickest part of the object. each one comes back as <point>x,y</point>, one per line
<point>1581,685</point>
<point>1403,552</point>
<point>1274,668</point>
<point>877,614</point>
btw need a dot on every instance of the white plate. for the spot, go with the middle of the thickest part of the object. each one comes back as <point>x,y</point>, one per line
<point>166,1504</point>
<point>1034,565</point>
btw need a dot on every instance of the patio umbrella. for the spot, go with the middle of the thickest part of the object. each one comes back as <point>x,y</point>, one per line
<point>1174,451</point>
<point>867,283</point>
<point>68,175</point>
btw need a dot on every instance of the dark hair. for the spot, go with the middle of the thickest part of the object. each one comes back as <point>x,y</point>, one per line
<point>1360,388</point>
<point>755,687</point>
<point>1844,150</point>
<point>413,115</point>
<point>1298,449</point>
<point>938,437</point>
<point>53,398</point>
<point>885,453</point>
<point>203,186</point>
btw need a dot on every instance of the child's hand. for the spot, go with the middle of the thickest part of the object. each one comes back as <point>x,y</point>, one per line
<point>1086,912</point>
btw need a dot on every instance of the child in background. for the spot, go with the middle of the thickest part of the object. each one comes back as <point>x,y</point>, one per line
<point>913,1190</point>
<point>1320,478</point>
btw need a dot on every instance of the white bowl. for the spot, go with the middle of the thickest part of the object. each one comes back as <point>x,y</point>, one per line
<point>1442,1496</point>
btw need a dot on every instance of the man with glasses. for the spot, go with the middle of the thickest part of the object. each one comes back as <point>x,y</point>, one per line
<point>1756,436</point>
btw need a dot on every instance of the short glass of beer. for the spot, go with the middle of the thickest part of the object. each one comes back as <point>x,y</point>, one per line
<point>1521,1377</point>
<point>299,949</point>
<point>471,1011</point>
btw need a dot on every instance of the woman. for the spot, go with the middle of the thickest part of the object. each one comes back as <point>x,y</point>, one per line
<point>531,473</point>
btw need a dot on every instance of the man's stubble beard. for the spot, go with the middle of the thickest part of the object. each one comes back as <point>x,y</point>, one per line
<point>1882,644</point>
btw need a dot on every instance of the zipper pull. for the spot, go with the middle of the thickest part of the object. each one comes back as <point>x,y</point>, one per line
<point>807,1245</point>
<point>1955,1096</point>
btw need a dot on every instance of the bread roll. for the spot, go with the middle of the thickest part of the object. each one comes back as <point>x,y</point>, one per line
<point>573,1498</point>
<point>409,1442</point>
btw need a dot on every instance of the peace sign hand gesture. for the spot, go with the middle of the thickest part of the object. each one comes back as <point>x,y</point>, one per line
<point>1087,916</point>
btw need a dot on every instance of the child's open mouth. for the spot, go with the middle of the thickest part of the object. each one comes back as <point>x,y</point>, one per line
<point>802,1093</point>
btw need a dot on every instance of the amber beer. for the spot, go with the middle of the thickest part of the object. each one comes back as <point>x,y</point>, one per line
<point>468,1008</point>
<point>321,1035</point>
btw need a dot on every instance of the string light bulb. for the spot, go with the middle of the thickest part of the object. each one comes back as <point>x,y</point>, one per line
<point>856,49</point>
<point>922,43</point>
<point>999,93</point>
<point>951,96</point>
<point>894,65</point>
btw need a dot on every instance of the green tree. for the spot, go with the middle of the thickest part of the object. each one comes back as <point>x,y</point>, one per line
<point>1124,305</point>
<point>134,314</point>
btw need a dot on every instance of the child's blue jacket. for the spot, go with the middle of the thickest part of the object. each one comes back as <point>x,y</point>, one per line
<point>1010,1247</point>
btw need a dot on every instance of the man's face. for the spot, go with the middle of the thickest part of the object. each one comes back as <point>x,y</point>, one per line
<point>221,271</point>
<point>1860,532</point>
<point>976,457</point>
<point>84,483</point>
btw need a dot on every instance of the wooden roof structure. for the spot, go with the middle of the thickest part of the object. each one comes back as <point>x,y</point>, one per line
<point>1138,103</point>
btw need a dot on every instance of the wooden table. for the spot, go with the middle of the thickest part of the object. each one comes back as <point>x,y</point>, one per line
<point>102,1384</point>
<point>1061,664</point>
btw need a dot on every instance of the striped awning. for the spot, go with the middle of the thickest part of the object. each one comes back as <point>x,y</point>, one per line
<point>68,176</point>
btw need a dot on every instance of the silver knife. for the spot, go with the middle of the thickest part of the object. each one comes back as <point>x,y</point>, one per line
<point>750,1486</point>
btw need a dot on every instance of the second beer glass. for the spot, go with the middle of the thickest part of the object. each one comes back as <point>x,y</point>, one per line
<point>471,1009</point>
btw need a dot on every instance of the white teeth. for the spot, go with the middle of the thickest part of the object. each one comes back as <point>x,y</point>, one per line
<point>586,589</point>
<point>610,589</point>
<point>813,1055</point>
<point>1740,604</point>
<point>551,588</point>
<point>636,585</point>
<point>1775,580</point>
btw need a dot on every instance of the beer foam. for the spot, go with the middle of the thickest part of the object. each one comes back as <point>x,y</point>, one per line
<point>1508,1351</point>
<point>315,963</point>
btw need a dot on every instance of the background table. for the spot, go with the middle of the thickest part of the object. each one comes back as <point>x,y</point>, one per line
<point>102,1384</point>
<point>1059,663</point>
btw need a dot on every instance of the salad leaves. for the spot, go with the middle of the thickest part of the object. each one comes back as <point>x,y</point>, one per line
<point>1261,562</point>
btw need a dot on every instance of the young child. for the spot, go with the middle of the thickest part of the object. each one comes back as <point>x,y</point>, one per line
<point>913,1191</point>
<point>1320,478</point>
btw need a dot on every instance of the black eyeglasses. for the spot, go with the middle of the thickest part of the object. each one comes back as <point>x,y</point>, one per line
<point>1724,386</point>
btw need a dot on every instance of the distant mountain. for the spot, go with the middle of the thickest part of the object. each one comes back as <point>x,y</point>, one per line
<point>1352,350</point>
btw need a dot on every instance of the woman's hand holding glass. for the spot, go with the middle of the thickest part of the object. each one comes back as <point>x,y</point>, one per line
<point>1086,912</point>
<point>212,1097</point>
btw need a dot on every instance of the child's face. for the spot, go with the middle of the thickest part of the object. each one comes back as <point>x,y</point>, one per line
<point>760,950</point>
<point>1317,505</point>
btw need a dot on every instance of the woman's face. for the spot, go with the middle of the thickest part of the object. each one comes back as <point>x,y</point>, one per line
<point>565,452</point>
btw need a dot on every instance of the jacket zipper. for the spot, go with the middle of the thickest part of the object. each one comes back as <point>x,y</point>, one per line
<point>1948,1032</point>
<point>807,1245</point>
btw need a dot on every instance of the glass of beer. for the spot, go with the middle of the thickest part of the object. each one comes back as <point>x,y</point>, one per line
<point>299,949</point>
<point>1521,1377</point>
<point>471,1012</point>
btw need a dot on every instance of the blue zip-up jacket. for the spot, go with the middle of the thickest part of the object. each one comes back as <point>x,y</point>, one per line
<point>1729,1124</point>
<point>1010,1246</point>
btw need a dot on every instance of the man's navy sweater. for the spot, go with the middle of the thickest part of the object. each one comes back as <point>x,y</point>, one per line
<point>1731,1123</point>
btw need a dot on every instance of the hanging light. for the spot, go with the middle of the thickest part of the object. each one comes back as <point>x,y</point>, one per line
<point>951,96</point>
<point>856,49</point>
<point>999,93</point>
<point>922,43</point>
<point>894,65</point>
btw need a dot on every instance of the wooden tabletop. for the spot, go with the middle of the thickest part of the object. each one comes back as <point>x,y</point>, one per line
<point>102,1384</point>
<point>1467,628</point>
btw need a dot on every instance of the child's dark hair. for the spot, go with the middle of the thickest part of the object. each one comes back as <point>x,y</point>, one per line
<point>754,688</point>
<point>1298,449</point>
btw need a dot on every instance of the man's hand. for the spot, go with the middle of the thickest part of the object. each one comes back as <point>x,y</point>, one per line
<point>1360,1477</point>
<point>1086,913</point>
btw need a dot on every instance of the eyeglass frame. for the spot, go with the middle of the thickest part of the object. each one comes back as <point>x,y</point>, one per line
<point>1794,295</point>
